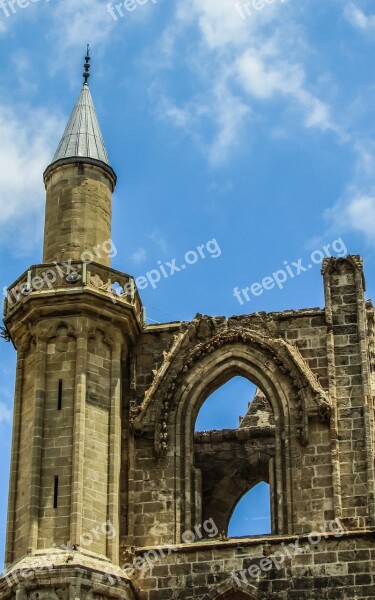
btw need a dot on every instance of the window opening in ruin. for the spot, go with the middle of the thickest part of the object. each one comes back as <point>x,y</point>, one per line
<point>234,450</point>
<point>223,408</point>
<point>252,514</point>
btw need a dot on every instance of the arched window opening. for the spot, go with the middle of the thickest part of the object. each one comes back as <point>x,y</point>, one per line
<point>223,408</point>
<point>252,514</point>
<point>234,451</point>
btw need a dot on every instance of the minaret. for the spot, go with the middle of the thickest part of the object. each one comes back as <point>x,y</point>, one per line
<point>73,321</point>
<point>79,184</point>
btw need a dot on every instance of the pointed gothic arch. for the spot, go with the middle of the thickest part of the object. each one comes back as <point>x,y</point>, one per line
<point>210,373</point>
<point>264,489</point>
<point>231,591</point>
<point>282,358</point>
<point>194,369</point>
<point>224,408</point>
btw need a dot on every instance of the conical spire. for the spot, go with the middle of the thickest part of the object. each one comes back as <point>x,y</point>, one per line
<point>82,136</point>
<point>79,185</point>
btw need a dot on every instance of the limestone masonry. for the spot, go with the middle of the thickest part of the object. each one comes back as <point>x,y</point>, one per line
<point>112,494</point>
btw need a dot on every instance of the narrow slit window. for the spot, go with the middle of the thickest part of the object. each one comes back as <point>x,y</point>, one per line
<point>56,492</point>
<point>59,396</point>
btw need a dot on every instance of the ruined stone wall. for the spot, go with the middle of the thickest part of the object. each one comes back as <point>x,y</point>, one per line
<point>308,331</point>
<point>153,477</point>
<point>336,568</point>
<point>350,389</point>
<point>230,463</point>
<point>315,367</point>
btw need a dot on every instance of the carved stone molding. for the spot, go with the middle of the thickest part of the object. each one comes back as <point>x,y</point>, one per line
<point>205,336</point>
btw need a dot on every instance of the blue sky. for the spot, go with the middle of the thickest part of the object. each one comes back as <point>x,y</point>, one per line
<point>257,132</point>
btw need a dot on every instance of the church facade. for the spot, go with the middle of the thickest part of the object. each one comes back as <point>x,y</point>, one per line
<point>112,493</point>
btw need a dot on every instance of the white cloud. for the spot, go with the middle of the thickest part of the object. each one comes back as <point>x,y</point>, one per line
<point>225,109</point>
<point>355,213</point>
<point>264,78</point>
<point>263,82</point>
<point>25,71</point>
<point>5,414</point>
<point>230,113</point>
<point>158,239</point>
<point>180,117</point>
<point>224,187</point>
<point>356,17</point>
<point>218,21</point>
<point>361,215</point>
<point>28,137</point>
<point>235,63</point>
<point>75,23</point>
<point>355,210</point>
<point>139,256</point>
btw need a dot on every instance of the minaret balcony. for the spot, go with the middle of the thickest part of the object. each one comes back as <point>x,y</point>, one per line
<point>71,278</point>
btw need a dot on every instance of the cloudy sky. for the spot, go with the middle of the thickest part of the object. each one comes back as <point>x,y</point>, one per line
<point>253,128</point>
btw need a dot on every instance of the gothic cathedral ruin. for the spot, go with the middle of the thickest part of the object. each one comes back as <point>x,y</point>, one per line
<point>112,494</point>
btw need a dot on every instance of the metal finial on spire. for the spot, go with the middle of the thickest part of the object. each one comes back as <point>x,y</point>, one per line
<point>86,73</point>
